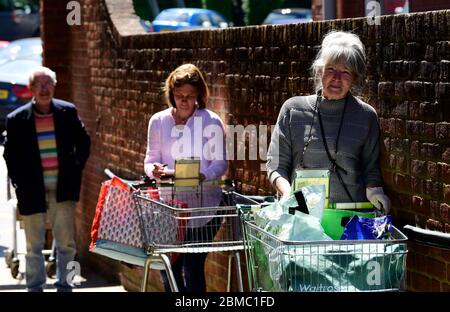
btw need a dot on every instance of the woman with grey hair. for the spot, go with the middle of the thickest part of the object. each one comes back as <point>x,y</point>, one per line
<point>331,129</point>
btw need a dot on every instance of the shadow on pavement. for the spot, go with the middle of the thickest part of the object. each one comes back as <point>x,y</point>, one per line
<point>16,287</point>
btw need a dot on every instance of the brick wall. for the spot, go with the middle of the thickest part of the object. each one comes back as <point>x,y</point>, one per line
<point>55,51</point>
<point>115,75</point>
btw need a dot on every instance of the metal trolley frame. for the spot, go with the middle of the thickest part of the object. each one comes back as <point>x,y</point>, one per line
<point>170,220</point>
<point>298,265</point>
<point>12,254</point>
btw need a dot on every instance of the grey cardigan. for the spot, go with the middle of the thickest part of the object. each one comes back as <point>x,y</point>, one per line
<point>358,149</point>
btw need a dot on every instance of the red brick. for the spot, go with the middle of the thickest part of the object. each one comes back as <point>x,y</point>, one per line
<point>445,287</point>
<point>446,192</point>
<point>444,212</point>
<point>401,181</point>
<point>436,268</point>
<point>419,248</point>
<point>445,254</point>
<point>433,170</point>
<point>435,225</point>
<point>448,272</point>
<point>420,205</point>
<point>446,155</point>
<point>420,282</point>
<point>411,261</point>
<point>435,285</point>
<point>435,253</point>
<point>445,170</point>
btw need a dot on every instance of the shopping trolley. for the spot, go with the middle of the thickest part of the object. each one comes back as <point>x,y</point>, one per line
<point>171,216</point>
<point>353,265</point>
<point>165,215</point>
<point>12,255</point>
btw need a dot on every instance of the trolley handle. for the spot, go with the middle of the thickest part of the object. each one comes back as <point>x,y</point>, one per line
<point>143,182</point>
<point>428,237</point>
<point>251,199</point>
<point>109,173</point>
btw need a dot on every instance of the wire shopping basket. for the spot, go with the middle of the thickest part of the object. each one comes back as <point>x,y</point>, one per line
<point>301,266</point>
<point>178,220</point>
<point>171,218</point>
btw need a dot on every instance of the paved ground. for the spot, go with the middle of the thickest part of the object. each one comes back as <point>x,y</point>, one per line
<point>88,280</point>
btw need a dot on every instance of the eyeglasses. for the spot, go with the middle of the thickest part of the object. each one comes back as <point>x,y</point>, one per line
<point>188,97</point>
<point>41,85</point>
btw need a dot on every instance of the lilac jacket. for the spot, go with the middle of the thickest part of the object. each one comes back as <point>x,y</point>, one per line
<point>203,136</point>
<point>166,142</point>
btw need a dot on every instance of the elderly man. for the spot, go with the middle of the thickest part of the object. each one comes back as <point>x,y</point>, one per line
<point>46,149</point>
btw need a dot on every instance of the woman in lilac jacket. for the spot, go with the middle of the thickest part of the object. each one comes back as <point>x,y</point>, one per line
<point>188,129</point>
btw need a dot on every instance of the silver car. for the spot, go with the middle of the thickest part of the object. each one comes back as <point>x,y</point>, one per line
<point>16,62</point>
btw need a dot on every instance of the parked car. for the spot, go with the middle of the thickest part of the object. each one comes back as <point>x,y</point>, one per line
<point>14,90</point>
<point>29,48</point>
<point>147,25</point>
<point>289,16</point>
<point>187,19</point>
<point>3,43</point>
<point>18,19</point>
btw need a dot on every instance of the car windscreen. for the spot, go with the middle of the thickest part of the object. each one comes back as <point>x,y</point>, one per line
<point>21,49</point>
<point>22,66</point>
<point>218,21</point>
<point>172,16</point>
<point>278,16</point>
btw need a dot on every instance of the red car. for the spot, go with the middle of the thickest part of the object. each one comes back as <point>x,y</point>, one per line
<point>3,43</point>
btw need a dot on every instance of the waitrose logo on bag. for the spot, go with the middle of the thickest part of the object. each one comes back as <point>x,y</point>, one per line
<point>317,288</point>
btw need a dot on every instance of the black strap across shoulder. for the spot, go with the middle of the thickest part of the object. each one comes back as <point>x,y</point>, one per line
<point>335,167</point>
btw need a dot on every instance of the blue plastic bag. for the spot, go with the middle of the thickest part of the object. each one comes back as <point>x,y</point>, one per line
<point>360,228</point>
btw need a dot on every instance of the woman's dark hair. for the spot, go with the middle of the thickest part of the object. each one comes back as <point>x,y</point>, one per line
<point>187,74</point>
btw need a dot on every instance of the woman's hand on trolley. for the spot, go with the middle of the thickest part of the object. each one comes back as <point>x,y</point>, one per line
<point>158,170</point>
<point>282,186</point>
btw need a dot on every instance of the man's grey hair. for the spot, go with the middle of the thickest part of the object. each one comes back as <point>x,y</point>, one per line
<point>42,70</point>
<point>340,47</point>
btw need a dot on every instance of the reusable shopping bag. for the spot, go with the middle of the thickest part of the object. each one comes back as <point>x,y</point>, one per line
<point>277,220</point>
<point>360,228</point>
<point>118,229</point>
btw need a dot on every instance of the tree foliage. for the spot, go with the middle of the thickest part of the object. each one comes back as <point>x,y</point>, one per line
<point>224,7</point>
<point>257,10</point>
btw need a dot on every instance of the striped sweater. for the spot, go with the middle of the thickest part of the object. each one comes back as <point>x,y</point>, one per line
<point>45,130</point>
